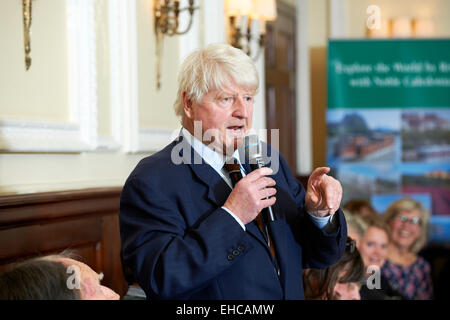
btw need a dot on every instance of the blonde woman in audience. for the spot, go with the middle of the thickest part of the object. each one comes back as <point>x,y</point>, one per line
<point>406,271</point>
<point>355,226</point>
<point>373,248</point>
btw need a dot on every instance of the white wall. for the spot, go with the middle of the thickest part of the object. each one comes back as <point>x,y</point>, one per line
<point>88,110</point>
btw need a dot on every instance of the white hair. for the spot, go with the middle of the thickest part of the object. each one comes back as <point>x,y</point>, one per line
<point>214,67</point>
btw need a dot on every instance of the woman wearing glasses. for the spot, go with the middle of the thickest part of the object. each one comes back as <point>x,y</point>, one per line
<point>406,271</point>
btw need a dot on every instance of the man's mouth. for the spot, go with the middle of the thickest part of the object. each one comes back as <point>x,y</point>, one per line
<point>236,128</point>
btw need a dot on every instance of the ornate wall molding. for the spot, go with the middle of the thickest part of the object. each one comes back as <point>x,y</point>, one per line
<point>80,133</point>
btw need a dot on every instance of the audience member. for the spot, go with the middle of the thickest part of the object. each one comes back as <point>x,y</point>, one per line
<point>360,208</point>
<point>373,248</point>
<point>355,226</point>
<point>340,281</point>
<point>55,277</point>
<point>406,271</point>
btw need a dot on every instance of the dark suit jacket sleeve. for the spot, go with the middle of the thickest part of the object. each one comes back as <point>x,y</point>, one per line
<point>319,249</point>
<point>169,259</point>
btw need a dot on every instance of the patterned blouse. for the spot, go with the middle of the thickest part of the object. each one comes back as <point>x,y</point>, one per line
<point>413,281</point>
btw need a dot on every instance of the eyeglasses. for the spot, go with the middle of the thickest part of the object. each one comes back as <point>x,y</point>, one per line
<point>414,220</point>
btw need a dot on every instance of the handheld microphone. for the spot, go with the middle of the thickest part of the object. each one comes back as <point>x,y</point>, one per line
<point>253,153</point>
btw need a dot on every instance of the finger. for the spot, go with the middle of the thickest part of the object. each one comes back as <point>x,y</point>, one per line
<point>258,173</point>
<point>317,174</point>
<point>331,193</point>
<point>267,192</point>
<point>264,182</point>
<point>313,200</point>
<point>268,202</point>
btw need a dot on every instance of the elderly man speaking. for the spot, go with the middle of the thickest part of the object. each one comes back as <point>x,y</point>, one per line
<point>189,230</point>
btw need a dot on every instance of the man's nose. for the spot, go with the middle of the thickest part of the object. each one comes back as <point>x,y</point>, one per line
<point>241,108</point>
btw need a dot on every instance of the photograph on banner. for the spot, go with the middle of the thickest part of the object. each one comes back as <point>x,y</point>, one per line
<point>388,123</point>
<point>381,202</point>
<point>363,135</point>
<point>363,180</point>
<point>430,178</point>
<point>426,135</point>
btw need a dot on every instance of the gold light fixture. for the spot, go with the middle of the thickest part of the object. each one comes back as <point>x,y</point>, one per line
<point>166,16</point>
<point>26,13</point>
<point>403,27</point>
<point>424,28</point>
<point>241,14</point>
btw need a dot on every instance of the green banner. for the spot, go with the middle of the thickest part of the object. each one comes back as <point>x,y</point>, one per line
<point>389,73</point>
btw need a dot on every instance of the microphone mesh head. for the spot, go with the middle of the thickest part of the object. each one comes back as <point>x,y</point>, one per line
<point>252,147</point>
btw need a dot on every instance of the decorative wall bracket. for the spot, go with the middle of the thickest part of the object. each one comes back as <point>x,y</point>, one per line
<point>166,15</point>
<point>241,14</point>
<point>26,13</point>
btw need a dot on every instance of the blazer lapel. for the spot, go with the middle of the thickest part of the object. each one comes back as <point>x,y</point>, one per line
<point>218,189</point>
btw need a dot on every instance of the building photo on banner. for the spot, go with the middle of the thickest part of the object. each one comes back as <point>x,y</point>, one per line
<point>388,123</point>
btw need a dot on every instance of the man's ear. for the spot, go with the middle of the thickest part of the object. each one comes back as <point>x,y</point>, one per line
<point>187,105</point>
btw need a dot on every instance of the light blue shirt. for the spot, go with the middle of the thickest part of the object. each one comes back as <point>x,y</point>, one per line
<point>217,160</point>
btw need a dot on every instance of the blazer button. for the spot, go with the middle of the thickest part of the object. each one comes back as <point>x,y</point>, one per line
<point>240,248</point>
<point>230,257</point>
<point>236,252</point>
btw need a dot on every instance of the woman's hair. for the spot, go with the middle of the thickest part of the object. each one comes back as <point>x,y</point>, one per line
<point>355,223</point>
<point>377,222</point>
<point>214,67</point>
<point>37,279</point>
<point>320,283</point>
<point>357,206</point>
<point>408,204</point>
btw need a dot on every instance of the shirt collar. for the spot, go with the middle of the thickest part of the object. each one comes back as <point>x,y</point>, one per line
<point>213,158</point>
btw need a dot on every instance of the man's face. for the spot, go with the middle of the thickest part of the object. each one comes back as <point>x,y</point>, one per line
<point>225,116</point>
<point>91,289</point>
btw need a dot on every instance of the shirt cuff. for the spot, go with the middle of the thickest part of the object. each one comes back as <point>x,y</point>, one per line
<point>327,223</point>
<point>235,217</point>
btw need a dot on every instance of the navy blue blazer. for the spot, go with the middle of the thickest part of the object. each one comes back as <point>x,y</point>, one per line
<point>180,243</point>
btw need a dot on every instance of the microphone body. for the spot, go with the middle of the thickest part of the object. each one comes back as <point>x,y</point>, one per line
<point>253,154</point>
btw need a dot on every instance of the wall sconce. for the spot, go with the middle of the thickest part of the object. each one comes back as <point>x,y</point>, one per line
<point>241,14</point>
<point>423,28</point>
<point>26,13</point>
<point>166,16</point>
<point>402,27</point>
<point>384,30</point>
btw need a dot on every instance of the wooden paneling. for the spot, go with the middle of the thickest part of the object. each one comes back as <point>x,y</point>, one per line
<point>280,81</point>
<point>318,61</point>
<point>84,221</point>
